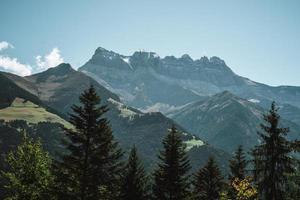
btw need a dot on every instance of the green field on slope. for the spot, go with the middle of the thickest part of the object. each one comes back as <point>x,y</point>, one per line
<point>30,112</point>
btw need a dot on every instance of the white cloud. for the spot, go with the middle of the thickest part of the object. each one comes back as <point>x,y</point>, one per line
<point>14,66</point>
<point>49,60</point>
<point>5,45</point>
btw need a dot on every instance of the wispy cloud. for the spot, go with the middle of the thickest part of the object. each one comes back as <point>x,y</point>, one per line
<point>5,45</point>
<point>49,60</point>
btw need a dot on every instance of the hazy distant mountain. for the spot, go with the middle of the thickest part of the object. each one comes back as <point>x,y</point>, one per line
<point>225,121</point>
<point>147,81</point>
<point>60,88</point>
<point>291,113</point>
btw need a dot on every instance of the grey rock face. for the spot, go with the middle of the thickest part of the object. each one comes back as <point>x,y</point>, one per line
<point>145,80</point>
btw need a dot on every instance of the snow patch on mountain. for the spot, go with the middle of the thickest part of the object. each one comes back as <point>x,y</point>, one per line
<point>254,100</point>
<point>127,60</point>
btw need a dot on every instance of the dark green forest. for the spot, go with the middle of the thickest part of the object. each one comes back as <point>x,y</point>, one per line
<point>49,161</point>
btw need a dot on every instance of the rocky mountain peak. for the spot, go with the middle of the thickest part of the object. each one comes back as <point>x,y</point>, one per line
<point>186,57</point>
<point>100,50</point>
<point>65,66</point>
<point>204,60</point>
<point>105,54</point>
<point>216,60</point>
<point>144,55</point>
<point>61,69</point>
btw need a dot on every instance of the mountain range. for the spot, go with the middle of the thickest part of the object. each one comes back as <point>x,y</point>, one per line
<point>215,109</point>
<point>204,95</point>
<point>146,81</point>
<point>59,88</point>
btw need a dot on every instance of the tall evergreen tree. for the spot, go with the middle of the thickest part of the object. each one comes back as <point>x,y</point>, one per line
<point>134,184</point>
<point>271,158</point>
<point>29,175</point>
<point>171,176</point>
<point>237,165</point>
<point>293,186</point>
<point>208,182</point>
<point>93,162</point>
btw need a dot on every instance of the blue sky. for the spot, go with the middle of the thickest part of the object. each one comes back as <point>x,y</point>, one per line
<point>258,39</point>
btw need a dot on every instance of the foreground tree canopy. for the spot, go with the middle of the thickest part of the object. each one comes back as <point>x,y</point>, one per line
<point>94,158</point>
<point>272,158</point>
<point>171,176</point>
<point>92,165</point>
<point>29,175</point>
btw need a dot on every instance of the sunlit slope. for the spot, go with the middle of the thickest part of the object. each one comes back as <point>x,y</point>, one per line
<point>21,109</point>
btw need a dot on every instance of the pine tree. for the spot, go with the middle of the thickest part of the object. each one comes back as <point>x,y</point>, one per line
<point>293,186</point>
<point>271,158</point>
<point>134,184</point>
<point>93,162</point>
<point>171,176</point>
<point>238,164</point>
<point>208,182</point>
<point>29,172</point>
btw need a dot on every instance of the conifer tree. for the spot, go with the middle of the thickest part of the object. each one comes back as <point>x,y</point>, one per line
<point>271,158</point>
<point>293,186</point>
<point>171,176</point>
<point>134,183</point>
<point>208,182</point>
<point>238,164</point>
<point>93,162</point>
<point>29,174</point>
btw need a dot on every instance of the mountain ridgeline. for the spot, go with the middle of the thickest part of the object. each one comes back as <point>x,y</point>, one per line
<point>60,87</point>
<point>204,96</point>
<point>144,80</point>
<point>177,115</point>
<point>227,121</point>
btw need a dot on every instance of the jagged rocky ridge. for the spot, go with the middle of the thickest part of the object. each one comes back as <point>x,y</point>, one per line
<point>146,81</point>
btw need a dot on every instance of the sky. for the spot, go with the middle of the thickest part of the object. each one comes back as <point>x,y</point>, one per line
<point>258,39</point>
